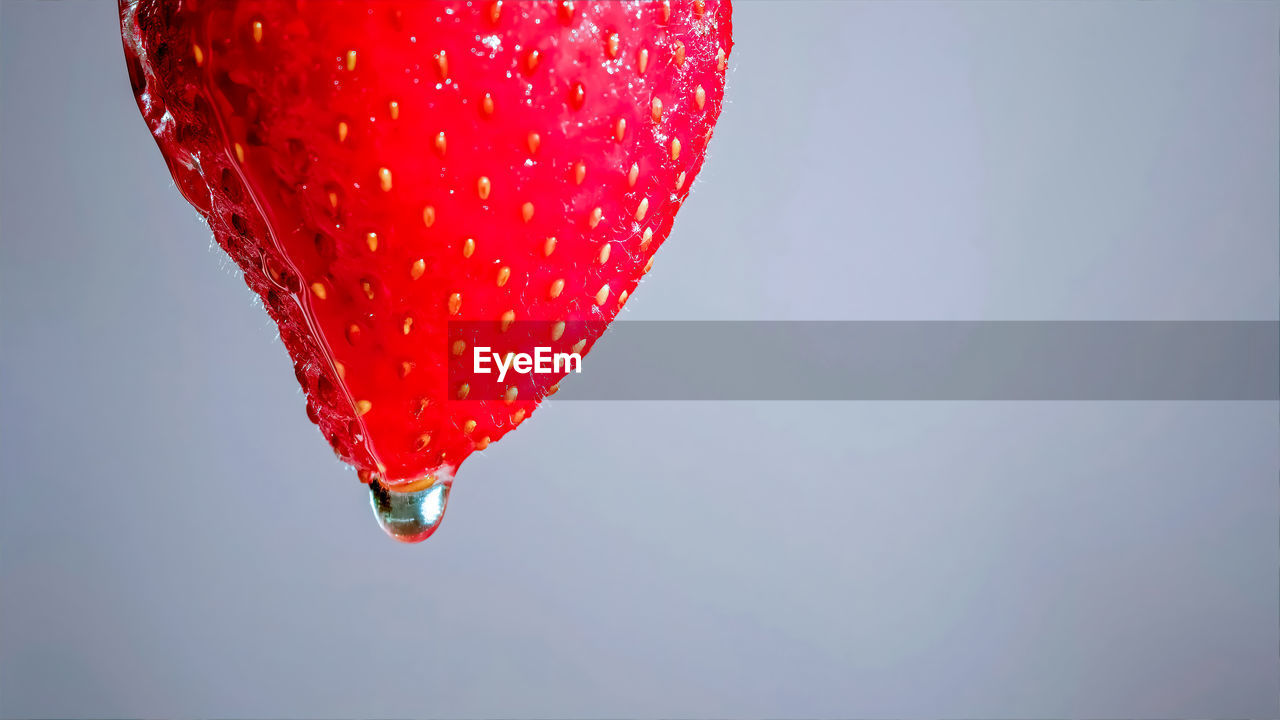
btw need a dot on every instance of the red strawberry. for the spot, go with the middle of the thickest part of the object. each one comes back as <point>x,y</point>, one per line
<point>380,169</point>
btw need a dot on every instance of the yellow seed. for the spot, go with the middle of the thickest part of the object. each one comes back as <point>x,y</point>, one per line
<point>666,10</point>
<point>642,210</point>
<point>367,287</point>
<point>565,11</point>
<point>469,426</point>
<point>459,347</point>
<point>353,333</point>
<point>422,442</point>
<point>351,60</point>
<point>257,31</point>
<point>419,266</point>
<point>633,175</point>
<point>504,274</point>
<point>579,172</point>
<point>342,131</point>
<point>333,199</point>
<point>363,406</point>
<point>533,141</point>
<point>442,64</point>
<point>649,265</point>
<point>455,303</point>
<point>553,389</point>
<point>429,216</point>
<point>557,287</point>
<point>699,7</point>
<point>484,443</point>
<point>384,179</point>
<point>394,109</point>
<point>619,129</point>
<point>622,298</point>
<point>463,390</point>
<point>655,109</point>
<point>642,61</point>
<point>517,417</point>
<point>468,247</point>
<point>495,11</point>
<point>646,238</point>
<point>487,104</point>
<point>508,317</point>
<point>510,395</point>
<point>531,60</point>
<point>675,148</point>
<point>440,142</point>
<point>526,211</point>
<point>371,240</point>
<point>602,294</point>
<point>680,180</point>
<point>483,186</point>
<point>239,151</point>
<point>408,325</point>
<point>199,55</point>
<point>611,46</point>
<point>557,330</point>
<point>318,289</point>
<point>577,347</point>
<point>596,216</point>
<point>679,54</point>
<point>340,369</point>
<point>720,60</point>
<point>603,257</point>
<point>700,97</point>
<point>549,247</point>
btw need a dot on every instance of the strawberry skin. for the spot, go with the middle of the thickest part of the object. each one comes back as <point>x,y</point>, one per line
<point>380,169</point>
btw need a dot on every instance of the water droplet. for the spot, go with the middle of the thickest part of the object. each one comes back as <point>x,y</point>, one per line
<point>409,516</point>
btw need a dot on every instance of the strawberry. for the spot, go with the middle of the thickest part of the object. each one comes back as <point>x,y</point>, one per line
<point>379,170</point>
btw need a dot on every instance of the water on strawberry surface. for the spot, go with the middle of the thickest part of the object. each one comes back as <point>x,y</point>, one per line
<point>409,517</point>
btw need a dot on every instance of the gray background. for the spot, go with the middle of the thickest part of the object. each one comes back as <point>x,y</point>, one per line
<point>177,540</point>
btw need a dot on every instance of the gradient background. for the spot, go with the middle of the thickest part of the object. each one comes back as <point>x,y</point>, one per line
<point>177,540</point>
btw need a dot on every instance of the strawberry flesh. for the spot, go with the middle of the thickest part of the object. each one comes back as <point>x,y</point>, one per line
<point>379,170</point>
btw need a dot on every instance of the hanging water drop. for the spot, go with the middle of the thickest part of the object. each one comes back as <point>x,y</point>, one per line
<point>412,516</point>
